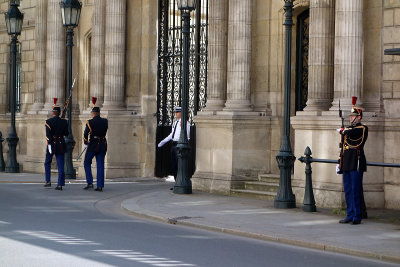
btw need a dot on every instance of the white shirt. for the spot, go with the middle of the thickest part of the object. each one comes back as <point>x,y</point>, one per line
<point>175,133</point>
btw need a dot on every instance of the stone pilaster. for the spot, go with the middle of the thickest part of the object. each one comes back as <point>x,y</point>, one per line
<point>321,57</point>
<point>348,52</point>
<point>40,54</point>
<point>55,56</point>
<point>239,56</point>
<point>114,79</point>
<point>217,44</point>
<point>97,56</point>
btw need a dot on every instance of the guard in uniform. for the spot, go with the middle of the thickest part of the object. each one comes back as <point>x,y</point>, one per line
<point>354,165</point>
<point>94,138</point>
<point>174,136</point>
<point>56,129</point>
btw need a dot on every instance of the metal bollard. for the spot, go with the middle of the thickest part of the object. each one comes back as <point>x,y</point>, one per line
<point>2,164</point>
<point>309,201</point>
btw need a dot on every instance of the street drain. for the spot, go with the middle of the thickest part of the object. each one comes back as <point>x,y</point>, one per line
<point>175,220</point>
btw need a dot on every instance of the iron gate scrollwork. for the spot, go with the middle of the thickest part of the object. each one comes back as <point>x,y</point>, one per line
<point>169,80</point>
<point>303,23</point>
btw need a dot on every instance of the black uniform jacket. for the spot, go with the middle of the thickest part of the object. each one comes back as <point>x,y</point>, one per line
<point>56,129</point>
<point>355,137</point>
<point>95,134</point>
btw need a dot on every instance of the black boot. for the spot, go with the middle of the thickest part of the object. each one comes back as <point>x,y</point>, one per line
<point>100,189</point>
<point>89,186</point>
<point>47,184</point>
<point>58,187</point>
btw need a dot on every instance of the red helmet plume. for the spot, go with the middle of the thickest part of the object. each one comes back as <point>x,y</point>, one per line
<point>354,100</point>
<point>94,100</point>
<point>55,100</point>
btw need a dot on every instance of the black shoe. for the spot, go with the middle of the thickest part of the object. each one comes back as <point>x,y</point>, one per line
<point>364,216</point>
<point>89,186</point>
<point>171,188</point>
<point>345,221</point>
<point>47,184</point>
<point>100,189</point>
<point>58,187</point>
<point>355,222</point>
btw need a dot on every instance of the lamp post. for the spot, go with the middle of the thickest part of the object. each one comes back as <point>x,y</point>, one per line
<point>14,19</point>
<point>70,12</point>
<point>285,199</point>
<point>183,185</point>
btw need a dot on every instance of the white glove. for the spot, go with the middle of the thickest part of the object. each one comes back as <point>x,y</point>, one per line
<point>161,143</point>
<point>337,169</point>
<point>340,130</point>
<point>49,148</point>
<point>85,146</point>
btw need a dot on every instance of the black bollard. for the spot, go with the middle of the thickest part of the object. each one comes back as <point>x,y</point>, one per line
<point>2,164</point>
<point>309,201</point>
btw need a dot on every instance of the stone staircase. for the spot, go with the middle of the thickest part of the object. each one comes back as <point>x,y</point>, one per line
<point>265,188</point>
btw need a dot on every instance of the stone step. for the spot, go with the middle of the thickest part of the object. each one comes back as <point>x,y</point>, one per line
<point>253,194</point>
<point>269,178</point>
<point>261,186</point>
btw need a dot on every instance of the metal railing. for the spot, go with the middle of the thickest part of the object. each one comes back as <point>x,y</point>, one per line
<point>309,201</point>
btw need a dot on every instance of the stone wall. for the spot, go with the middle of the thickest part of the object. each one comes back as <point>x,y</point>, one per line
<point>391,100</point>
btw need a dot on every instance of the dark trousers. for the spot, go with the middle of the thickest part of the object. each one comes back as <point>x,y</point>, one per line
<point>174,160</point>
<point>60,167</point>
<point>352,189</point>
<point>100,167</point>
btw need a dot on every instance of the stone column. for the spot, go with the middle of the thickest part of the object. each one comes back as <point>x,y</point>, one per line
<point>115,34</point>
<point>97,57</point>
<point>55,57</point>
<point>321,57</point>
<point>239,56</point>
<point>348,52</point>
<point>40,54</point>
<point>217,49</point>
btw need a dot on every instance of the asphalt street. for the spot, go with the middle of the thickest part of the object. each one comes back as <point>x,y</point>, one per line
<point>73,227</point>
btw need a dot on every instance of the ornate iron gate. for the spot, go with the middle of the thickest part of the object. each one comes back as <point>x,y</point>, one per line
<point>170,74</point>
<point>303,22</point>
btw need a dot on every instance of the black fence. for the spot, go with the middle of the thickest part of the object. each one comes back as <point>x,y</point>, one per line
<point>309,202</point>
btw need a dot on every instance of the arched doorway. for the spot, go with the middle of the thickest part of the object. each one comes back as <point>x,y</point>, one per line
<point>170,72</point>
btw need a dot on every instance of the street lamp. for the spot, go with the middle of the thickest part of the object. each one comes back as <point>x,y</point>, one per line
<point>285,199</point>
<point>14,19</point>
<point>70,12</point>
<point>183,185</point>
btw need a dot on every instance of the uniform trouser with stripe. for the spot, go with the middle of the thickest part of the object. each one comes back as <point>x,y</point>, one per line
<point>352,189</point>
<point>100,167</point>
<point>60,167</point>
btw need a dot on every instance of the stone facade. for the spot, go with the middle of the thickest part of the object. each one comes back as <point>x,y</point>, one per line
<point>239,130</point>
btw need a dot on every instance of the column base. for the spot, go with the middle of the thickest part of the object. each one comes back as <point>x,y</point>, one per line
<point>318,105</point>
<point>214,105</point>
<point>36,108</point>
<point>238,105</point>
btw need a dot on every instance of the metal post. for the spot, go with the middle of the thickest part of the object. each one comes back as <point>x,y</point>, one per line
<point>183,185</point>
<point>69,140</point>
<point>309,201</point>
<point>285,199</point>
<point>2,163</point>
<point>12,139</point>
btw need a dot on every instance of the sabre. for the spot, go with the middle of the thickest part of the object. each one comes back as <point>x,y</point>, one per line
<point>80,155</point>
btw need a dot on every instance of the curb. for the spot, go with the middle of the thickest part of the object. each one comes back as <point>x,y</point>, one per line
<point>271,238</point>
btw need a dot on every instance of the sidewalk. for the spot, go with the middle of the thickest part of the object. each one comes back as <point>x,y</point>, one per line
<point>258,219</point>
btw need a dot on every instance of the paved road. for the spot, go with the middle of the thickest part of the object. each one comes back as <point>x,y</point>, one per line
<point>45,227</point>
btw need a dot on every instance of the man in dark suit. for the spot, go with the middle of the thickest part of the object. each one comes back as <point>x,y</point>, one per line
<point>354,165</point>
<point>94,138</point>
<point>56,129</point>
